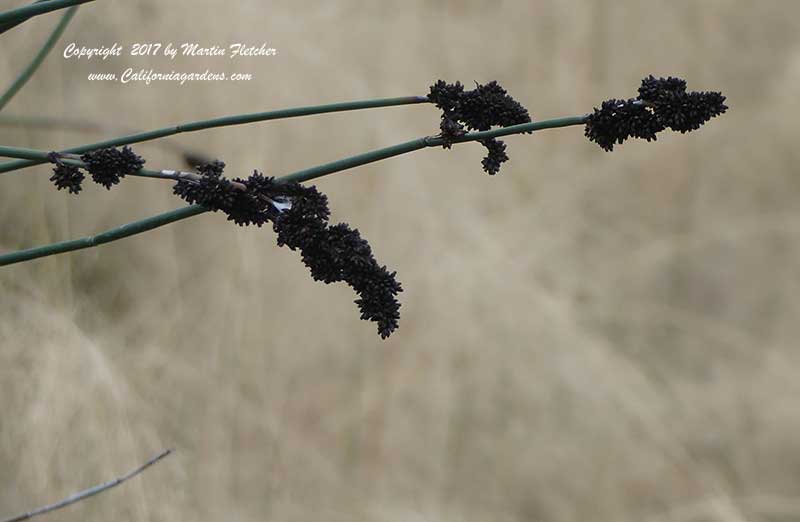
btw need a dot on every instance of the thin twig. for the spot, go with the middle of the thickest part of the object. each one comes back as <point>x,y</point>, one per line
<point>9,19</point>
<point>86,493</point>
<point>26,74</point>
<point>137,227</point>
<point>225,121</point>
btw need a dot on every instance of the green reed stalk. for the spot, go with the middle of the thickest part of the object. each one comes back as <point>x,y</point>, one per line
<point>26,73</point>
<point>13,17</point>
<point>225,121</point>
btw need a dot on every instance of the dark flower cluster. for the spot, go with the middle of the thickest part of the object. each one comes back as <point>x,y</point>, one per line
<point>299,215</point>
<point>261,200</point>
<point>662,103</point>
<point>339,253</point>
<point>65,176</point>
<point>211,190</point>
<point>107,166</point>
<point>479,109</point>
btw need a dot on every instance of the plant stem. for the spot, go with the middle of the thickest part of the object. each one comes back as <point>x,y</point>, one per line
<point>239,119</point>
<point>26,74</point>
<point>10,25</point>
<point>43,156</point>
<point>421,143</point>
<point>86,493</point>
<point>7,26</point>
<point>172,216</point>
<point>73,159</point>
<point>80,125</point>
<point>130,229</point>
<point>53,123</point>
<point>9,19</point>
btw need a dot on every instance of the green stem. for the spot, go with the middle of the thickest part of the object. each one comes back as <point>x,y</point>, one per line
<point>52,123</point>
<point>421,143</point>
<point>239,119</point>
<point>166,218</point>
<point>26,74</point>
<point>80,125</point>
<point>9,19</point>
<point>40,155</point>
<point>5,27</point>
<point>137,227</point>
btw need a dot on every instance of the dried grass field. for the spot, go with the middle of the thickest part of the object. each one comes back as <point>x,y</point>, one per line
<point>586,336</point>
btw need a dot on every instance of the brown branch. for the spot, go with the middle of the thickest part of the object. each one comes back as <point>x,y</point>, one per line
<point>86,493</point>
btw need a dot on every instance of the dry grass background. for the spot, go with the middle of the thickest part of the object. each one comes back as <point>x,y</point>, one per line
<point>587,336</point>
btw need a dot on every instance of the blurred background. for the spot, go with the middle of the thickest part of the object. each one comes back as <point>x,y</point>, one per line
<point>585,336</point>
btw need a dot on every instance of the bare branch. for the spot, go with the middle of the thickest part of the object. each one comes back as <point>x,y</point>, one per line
<point>82,495</point>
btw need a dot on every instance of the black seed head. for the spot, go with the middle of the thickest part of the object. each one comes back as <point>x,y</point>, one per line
<point>67,177</point>
<point>690,111</point>
<point>211,191</point>
<point>496,156</point>
<point>652,89</point>
<point>108,166</point>
<point>480,109</point>
<point>662,103</point>
<point>300,220</point>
